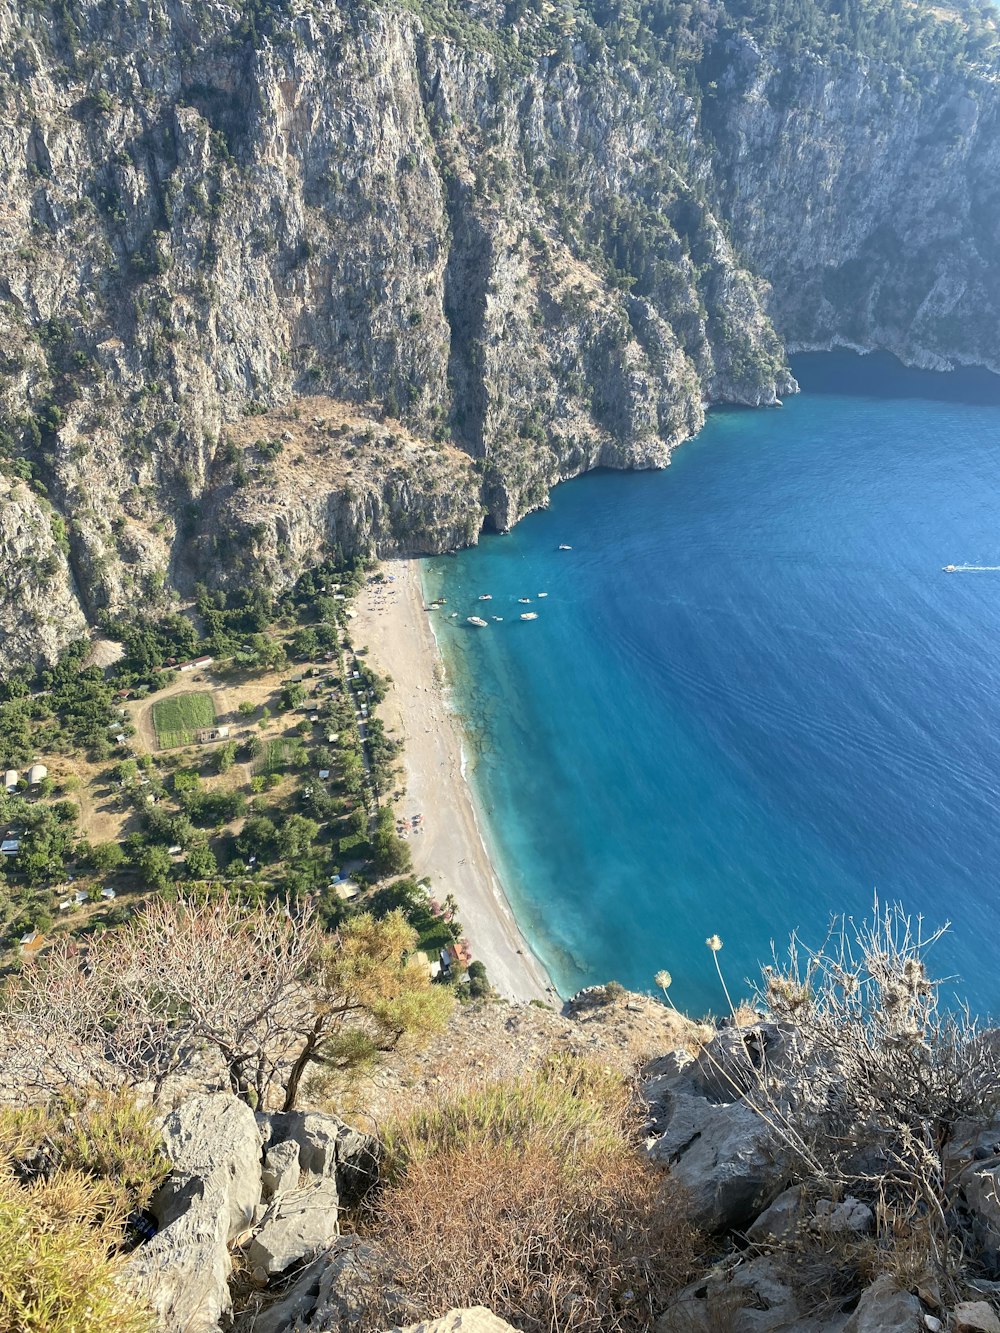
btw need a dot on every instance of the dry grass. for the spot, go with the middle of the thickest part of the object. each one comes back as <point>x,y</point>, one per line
<point>56,1276</point>
<point>530,1198</point>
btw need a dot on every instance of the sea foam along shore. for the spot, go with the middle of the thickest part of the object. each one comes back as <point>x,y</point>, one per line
<point>394,626</point>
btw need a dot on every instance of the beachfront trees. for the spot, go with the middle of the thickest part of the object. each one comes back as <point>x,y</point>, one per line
<point>263,987</point>
<point>390,852</point>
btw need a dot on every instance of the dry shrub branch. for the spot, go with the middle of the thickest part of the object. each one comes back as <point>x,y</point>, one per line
<point>872,1074</point>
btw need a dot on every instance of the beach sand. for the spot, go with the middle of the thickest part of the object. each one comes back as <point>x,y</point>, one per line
<point>391,622</point>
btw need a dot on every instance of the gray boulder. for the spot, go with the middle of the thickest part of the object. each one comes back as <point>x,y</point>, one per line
<point>971,1162</point>
<point>754,1297</point>
<point>332,1292</point>
<point>975,1317</point>
<point>328,1147</point>
<point>208,1200</point>
<point>477,1319</point>
<point>281,1169</point>
<point>780,1221</point>
<point>723,1153</point>
<point>299,1224</point>
<point>883,1308</point>
<point>848,1216</point>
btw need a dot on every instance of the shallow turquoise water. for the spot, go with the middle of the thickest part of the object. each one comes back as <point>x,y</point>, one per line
<point>751,697</point>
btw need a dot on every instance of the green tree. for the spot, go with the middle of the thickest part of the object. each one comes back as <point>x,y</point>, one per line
<point>155,866</point>
<point>200,862</point>
<point>106,857</point>
<point>296,836</point>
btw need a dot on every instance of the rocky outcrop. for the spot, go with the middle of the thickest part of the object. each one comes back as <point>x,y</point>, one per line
<point>201,224</point>
<point>209,1199</point>
<point>889,179</point>
<point>40,611</point>
<point>717,1145</point>
<point>328,1148</point>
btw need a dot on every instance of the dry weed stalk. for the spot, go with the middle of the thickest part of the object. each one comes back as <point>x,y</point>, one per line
<point>870,1076</point>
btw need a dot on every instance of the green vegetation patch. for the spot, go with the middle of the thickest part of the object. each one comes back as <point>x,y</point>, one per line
<point>278,756</point>
<point>178,718</point>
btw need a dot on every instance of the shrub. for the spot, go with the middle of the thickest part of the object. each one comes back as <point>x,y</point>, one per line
<point>529,1197</point>
<point>103,1135</point>
<point>72,1171</point>
<point>871,1078</point>
<point>55,1276</point>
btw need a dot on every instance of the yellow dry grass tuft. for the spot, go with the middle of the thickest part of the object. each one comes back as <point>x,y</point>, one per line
<point>530,1198</point>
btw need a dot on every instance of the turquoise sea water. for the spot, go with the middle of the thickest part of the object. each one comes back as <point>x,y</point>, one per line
<point>751,697</point>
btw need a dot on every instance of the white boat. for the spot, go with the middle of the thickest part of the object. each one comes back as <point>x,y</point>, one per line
<point>565,548</point>
<point>475,620</point>
<point>486,597</point>
<point>454,615</point>
<point>529,615</point>
<point>542,594</point>
<point>524,599</point>
<point>498,617</point>
<point>950,569</point>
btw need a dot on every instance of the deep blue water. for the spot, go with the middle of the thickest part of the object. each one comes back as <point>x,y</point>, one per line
<point>751,698</point>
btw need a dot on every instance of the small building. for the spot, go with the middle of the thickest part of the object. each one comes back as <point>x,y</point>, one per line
<point>10,846</point>
<point>195,663</point>
<point>432,965</point>
<point>347,890</point>
<point>80,897</point>
<point>32,942</point>
<point>37,773</point>
<point>10,779</point>
<point>456,957</point>
<point>324,773</point>
<point>108,894</point>
<point>206,734</point>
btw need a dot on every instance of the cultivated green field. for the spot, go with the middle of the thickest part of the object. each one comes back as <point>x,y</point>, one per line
<point>178,718</point>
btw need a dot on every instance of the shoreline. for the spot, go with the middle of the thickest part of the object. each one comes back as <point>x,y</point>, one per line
<point>391,623</point>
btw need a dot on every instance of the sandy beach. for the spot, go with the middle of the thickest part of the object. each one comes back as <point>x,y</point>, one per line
<point>392,623</point>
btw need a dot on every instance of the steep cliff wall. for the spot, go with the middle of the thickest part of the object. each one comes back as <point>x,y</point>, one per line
<point>894,188</point>
<point>520,242</point>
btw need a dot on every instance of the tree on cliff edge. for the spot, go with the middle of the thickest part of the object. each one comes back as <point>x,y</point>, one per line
<point>265,989</point>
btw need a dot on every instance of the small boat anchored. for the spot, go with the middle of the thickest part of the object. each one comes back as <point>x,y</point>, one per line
<point>542,594</point>
<point>564,547</point>
<point>496,617</point>
<point>529,615</point>
<point>478,622</point>
<point>524,599</point>
<point>486,597</point>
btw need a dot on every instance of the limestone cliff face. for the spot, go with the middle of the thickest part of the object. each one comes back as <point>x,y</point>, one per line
<point>886,194</point>
<point>511,257</point>
<point>39,610</point>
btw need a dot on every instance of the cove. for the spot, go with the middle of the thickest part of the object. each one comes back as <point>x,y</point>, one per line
<point>752,698</point>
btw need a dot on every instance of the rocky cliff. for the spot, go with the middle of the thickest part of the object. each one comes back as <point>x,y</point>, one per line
<point>497,246</point>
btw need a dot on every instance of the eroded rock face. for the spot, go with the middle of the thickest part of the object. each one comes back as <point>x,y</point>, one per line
<point>716,1144</point>
<point>39,609</point>
<point>327,1148</point>
<point>183,1272</point>
<point>530,275</point>
<point>200,224</point>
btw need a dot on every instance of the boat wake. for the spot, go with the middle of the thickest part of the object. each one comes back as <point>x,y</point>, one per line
<point>972,569</point>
